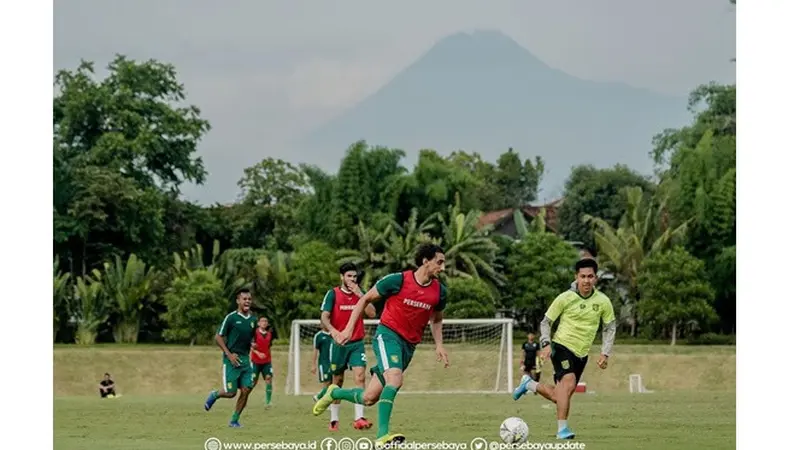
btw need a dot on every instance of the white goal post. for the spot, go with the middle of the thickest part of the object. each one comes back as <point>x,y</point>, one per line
<point>481,354</point>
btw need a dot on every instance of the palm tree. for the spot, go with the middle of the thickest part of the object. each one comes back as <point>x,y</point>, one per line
<point>60,294</point>
<point>88,307</point>
<point>401,244</point>
<point>369,255</point>
<point>222,268</point>
<point>537,225</point>
<point>641,232</point>
<point>469,249</point>
<point>128,288</point>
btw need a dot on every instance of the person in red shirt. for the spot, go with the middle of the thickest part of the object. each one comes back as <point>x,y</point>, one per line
<point>261,355</point>
<point>413,299</point>
<point>337,310</point>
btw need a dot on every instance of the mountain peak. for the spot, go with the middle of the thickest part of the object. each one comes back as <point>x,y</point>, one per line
<point>476,48</point>
<point>482,91</point>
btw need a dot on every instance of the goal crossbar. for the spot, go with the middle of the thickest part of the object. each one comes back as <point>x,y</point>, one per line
<point>504,359</point>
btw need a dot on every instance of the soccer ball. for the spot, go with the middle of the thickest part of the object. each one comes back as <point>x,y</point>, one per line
<point>514,430</point>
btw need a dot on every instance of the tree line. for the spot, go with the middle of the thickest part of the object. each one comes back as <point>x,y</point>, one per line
<point>135,262</point>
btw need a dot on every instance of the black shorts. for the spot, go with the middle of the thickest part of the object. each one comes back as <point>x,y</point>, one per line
<point>564,362</point>
<point>529,366</point>
<point>105,394</point>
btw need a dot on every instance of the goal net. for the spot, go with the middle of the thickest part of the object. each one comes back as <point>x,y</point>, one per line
<point>480,353</point>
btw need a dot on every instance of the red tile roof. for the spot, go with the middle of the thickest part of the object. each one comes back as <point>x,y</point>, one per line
<point>500,216</point>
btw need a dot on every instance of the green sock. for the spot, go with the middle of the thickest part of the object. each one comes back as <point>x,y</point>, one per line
<point>215,393</point>
<point>385,404</point>
<point>235,416</point>
<point>269,393</point>
<point>355,395</point>
<point>322,392</point>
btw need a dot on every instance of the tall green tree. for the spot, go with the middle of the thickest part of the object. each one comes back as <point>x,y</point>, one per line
<point>640,234</point>
<point>469,298</point>
<point>489,195</point>
<point>272,290</point>
<point>432,187</point>
<point>675,291</point>
<point>697,164</point>
<point>714,108</point>
<point>598,193</point>
<point>364,185</point>
<point>314,271</point>
<point>539,268</point>
<point>119,144</point>
<point>195,306</point>
<point>517,181</point>
<point>317,213</point>
<point>722,275</point>
<point>279,189</point>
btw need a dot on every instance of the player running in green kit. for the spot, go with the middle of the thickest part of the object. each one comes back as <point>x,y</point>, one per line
<point>580,312</point>
<point>322,360</point>
<point>337,307</point>
<point>413,299</point>
<point>235,338</point>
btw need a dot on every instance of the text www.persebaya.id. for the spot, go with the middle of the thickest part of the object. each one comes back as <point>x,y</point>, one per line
<point>269,446</point>
<point>216,444</point>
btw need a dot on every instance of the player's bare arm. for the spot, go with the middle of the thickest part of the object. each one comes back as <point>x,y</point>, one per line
<point>232,357</point>
<point>609,333</point>
<point>369,311</point>
<point>436,331</point>
<point>325,319</point>
<point>314,361</point>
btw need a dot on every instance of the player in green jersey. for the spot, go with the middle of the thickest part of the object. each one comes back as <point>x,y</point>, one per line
<point>580,312</point>
<point>322,360</point>
<point>235,338</point>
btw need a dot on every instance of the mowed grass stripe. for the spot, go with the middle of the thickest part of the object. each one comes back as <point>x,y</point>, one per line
<point>656,421</point>
<point>169,370</point>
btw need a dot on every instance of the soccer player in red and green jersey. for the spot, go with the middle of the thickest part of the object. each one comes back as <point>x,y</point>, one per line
<point>261,356</point>
<point>413,299</point>
<point>337,307</point>
<point>580,312</point>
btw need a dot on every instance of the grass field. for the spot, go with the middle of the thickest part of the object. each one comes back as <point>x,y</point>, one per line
<point>163,389</point>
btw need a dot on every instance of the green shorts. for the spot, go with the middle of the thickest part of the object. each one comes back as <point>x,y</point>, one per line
<point>391,351</point>
<point>347,356</point>
<point>234,378</point>
<point>263,370</point>
<point>324,373</point>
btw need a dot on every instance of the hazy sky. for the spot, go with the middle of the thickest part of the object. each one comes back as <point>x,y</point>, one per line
<point>266,71</point>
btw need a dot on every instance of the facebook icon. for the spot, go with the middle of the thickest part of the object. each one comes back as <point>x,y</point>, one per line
<point>329,444</point>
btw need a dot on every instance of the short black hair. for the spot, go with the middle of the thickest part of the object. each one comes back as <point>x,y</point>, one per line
<point>347,267</point>
<point>427,251</point>
<point>107,375</point>
<point>586,263</point>
<point>241,291</point>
